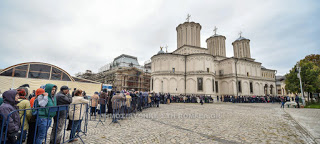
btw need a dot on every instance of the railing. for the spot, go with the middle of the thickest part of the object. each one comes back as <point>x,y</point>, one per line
<point>39,122</point>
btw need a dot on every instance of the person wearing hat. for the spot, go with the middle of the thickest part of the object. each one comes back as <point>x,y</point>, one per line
<point>32,121</point>
<point>63,98</point>
<point>23,103</point>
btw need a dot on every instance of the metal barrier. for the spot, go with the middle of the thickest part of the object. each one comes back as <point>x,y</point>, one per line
<point>78,116</point>
<point>98,107</point>
<point>117,106</point>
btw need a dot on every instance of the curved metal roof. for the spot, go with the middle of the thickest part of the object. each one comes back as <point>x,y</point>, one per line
<point>39,63</point>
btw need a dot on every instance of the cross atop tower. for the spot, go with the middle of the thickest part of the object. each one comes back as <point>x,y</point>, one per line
<point>240,33</point>
<point>215,30</point>
<point>188,17</point>
<point>161,47</point>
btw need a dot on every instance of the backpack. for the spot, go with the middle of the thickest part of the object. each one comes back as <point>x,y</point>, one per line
<point>34,112</point>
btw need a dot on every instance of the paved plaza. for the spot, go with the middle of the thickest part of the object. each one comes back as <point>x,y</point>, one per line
<point>208,123</point>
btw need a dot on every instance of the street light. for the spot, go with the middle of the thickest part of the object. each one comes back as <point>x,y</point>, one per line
<point>299,76</point>
<point>275,83</point>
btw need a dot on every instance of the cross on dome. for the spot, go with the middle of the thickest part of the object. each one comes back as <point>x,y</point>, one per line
<point>188,17</point>
<point>240,33</point>
<point>215,30</point>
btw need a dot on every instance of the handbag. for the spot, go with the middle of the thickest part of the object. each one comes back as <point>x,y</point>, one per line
<point>13,137</point>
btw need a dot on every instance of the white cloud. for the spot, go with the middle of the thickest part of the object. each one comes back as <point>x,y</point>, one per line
<point>80,35</point>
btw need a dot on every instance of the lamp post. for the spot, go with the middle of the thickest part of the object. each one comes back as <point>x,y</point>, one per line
<point>299,76</point>
<point>275,83</point>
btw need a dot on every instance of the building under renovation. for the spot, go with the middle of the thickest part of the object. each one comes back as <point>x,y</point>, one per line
<point>123,73</point>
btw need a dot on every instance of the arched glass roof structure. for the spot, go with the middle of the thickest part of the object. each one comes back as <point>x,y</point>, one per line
<point>37,70</point>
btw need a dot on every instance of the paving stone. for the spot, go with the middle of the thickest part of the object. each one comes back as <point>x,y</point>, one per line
<point>211,123</point>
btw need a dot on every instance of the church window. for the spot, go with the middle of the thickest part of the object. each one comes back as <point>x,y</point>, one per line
<point>217,87</point>
<point>247,73</point>
<point>173,70</point>
<point>213,85</point>
<point>239,86</point>
<point>251,87</point>
<point>200,84</point>
<point>208,70</point>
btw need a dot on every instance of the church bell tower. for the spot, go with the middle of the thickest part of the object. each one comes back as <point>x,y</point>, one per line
<point>216,44</point>
<point>188,33</point>
<point>241,47</point>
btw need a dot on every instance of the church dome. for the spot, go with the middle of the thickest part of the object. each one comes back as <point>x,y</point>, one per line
<point>216,35</point>
<point>161,52</point>
<point>241,38</point>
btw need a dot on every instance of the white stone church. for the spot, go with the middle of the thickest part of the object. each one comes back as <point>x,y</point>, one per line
<point>191,69</point>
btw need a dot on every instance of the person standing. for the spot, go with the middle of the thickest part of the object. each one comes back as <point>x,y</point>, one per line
<point>32,122</point>
<point>63,98</point>
<point>116,105</point>
<point>74,90</point>
<point>9,105</point>
<point>157,99</point>
<point>139,98</point>
<point>103,101</point>
<point>282,102</point>
<point>168,99</point>
<point>76,112</point>
<point>128,102</point>
<point>94,103</point>
<point>23,103</point>
<point>297,101</point>
<point>45,118</point>
<point>109,103</point>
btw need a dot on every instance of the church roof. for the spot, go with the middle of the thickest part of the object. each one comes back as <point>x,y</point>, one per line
<point>215,35</point>
<point>161,51</point>
<point>241,38</point>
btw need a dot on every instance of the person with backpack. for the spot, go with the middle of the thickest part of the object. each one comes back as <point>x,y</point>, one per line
<point>32,121</point>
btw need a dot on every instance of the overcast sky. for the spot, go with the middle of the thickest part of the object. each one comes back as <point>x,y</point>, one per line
<point>79,35</point>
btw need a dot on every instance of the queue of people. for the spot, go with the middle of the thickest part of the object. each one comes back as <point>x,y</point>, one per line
<point>122,103</point>
<point>31,117</point>
<point>193,98</point>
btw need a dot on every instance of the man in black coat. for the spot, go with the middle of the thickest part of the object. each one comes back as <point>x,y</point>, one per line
<point>63,98</point>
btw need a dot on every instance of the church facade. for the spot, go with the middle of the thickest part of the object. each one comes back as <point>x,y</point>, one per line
<point>191,69</point>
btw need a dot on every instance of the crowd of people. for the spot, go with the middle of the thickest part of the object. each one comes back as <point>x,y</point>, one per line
<point>122,103</point>
<point>28,114</point>
<point>119,104</point>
